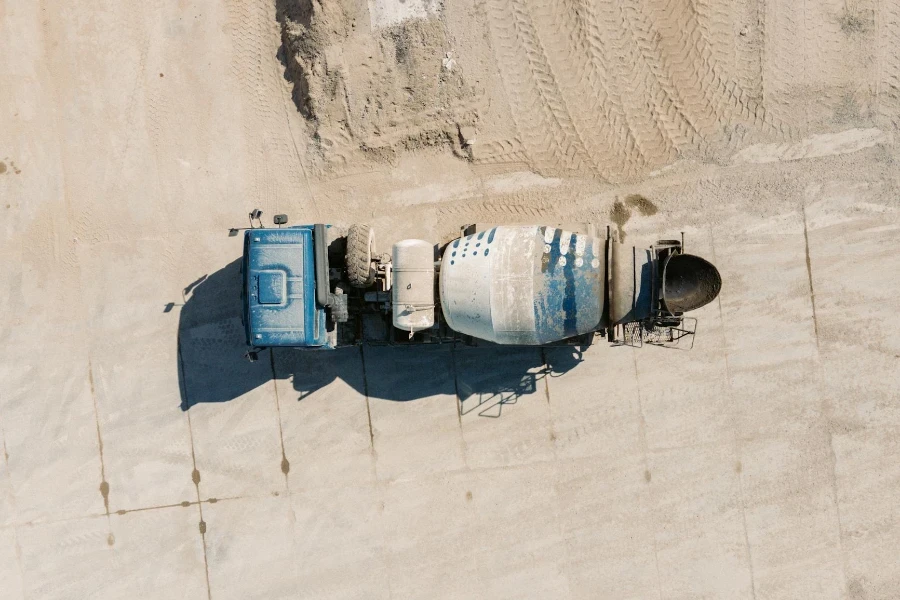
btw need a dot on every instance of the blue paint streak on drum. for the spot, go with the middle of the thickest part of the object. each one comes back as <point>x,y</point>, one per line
<point>590,286</point>
<point>567,297</point>
<point>554,305</point>
<point>546,293</point>
<point>569,303</point>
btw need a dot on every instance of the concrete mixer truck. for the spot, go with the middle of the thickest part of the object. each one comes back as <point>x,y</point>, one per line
<point>319,287</point>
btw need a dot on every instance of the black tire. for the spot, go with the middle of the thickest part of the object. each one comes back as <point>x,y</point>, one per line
<point>358,256</point>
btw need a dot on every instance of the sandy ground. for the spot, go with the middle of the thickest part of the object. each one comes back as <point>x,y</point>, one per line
<point>764,463</point>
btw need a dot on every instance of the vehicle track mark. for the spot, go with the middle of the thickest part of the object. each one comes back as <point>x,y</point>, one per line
<point>544,121</point>
<point>887,95</point>
<point>275,181</point>
<point>492,210</point>
<point>567,52</point>
<point>651,83</point>
<point>785,65</point>
<point>604,101</point>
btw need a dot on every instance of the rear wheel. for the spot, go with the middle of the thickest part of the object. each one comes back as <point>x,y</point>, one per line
<point>358,257</point>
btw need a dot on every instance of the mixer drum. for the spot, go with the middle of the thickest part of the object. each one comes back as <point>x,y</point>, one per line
<point>523,285</point>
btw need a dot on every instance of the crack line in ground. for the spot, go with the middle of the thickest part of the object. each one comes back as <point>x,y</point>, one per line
<point>642,433</point>
<point>195,474</point>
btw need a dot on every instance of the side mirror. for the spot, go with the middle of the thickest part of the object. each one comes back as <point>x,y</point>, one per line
<point>280,219</point>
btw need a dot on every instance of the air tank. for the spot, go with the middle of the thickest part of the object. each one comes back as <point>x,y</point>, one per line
<point>412,285</point>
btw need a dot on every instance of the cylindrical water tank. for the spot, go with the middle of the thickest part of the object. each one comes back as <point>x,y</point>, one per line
<point>412,285</point>
<point>523,285</point>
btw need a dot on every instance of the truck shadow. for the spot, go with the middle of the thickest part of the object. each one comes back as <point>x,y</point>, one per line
<point>212,367</point>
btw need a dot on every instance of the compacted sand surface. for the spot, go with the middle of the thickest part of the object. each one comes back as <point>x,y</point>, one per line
<point>143,457</point>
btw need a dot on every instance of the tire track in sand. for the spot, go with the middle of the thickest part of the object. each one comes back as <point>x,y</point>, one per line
<point>277,181</point>
<point>616,89</point>
<point>542,116</point>
<point>888,60</point>
<point>784,65</point>
<point>670,131</point>
<point>559,25</point>
<point>695,48</point>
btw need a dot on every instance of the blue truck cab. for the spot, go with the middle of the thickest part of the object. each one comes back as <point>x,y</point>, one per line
<point>279,289</point>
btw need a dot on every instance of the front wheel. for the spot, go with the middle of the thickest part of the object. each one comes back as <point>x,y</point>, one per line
<point>358,257</point>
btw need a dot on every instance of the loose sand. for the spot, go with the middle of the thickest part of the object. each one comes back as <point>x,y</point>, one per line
<point>610,91</point>
<point>762,464</point>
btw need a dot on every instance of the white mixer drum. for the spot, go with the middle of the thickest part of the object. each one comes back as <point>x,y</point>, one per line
<point>412,285</point>
<point>523,285</point>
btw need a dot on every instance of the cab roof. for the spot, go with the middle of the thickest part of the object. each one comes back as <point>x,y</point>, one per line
<point>279,289</point>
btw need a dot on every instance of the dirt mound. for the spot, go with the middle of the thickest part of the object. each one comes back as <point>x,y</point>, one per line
<point>370,91</point>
